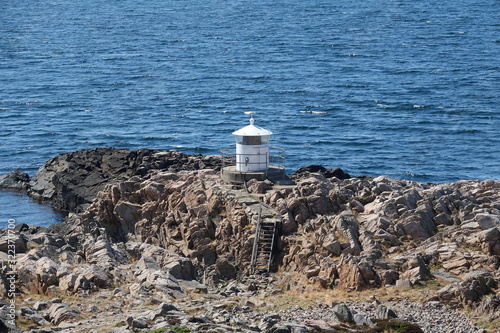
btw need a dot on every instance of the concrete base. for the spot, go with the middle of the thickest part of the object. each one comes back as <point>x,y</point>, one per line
<point>230,175</point>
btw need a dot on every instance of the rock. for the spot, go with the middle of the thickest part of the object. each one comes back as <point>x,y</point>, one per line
<point>332,244</point>
<point>92,308</point>
<point>489,241</point>
<point>67,282</point>
<point>356,273</point>
<point>4,328</point>
<point>487,221</point>
<point>147,263</point>
<point>97,276</point>
<point>46,273</point>
<point>280,329</point>
<point>40,305</point>
<point>15,180</point>
<point>417,270</point>
<point>443,219</point>
<point>13,239</point>
<point>165,308</point>
<point>343,313</point>
<point>162,281</point>
<point>419,225</point>
<point>225,269</point>
<point>328,173</point>
<point>255,186</point>
<point>81,283</point>
<point>490,305</point>
<point>158,219</point>
<point>27,310</point>
<point>362,320</point>
<point>383,312</point>
<point>137,322</point>
<point>475,285</point>
<point>403,284</point>
<point>59,312</point>
<point>103,253</point>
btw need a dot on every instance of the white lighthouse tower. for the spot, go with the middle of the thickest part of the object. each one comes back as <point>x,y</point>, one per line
<point>252,148</point>
<point>253,157</point>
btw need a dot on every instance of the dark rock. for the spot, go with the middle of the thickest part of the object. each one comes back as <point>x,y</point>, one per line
<point>72,180</point>
<point>328,173</point>
<point>15,180</point>
<point>343,313</point>
<point>137,322</point>
<point>40,305</point>
<point>164,308</point>
<point>27,310</point>
<point>3,327</point>
<point>225,269</point>
<point>383,312</point>
<point>21,227</point>
<point>92,308</point>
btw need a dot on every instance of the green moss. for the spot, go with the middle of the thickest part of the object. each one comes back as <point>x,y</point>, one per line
<point>160,330</point>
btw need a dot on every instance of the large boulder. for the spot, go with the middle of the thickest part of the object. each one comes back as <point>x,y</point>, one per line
<point>60,312</point>
<point>474,286</point>
<point>328,173</point>
<point>15,180</point>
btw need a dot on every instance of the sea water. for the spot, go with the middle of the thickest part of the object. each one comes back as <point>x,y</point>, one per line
<point>407,89</point>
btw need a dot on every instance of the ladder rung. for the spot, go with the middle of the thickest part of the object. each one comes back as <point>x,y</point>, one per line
<point>264,238</point>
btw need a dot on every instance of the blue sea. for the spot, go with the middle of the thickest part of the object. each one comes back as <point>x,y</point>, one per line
<point>407,89</point>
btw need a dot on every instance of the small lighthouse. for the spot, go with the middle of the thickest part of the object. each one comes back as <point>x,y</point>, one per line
<point>252,148</point>
<point>253,157</point>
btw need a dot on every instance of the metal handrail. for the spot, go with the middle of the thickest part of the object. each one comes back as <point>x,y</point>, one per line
<point>256,241</point>
<point>276,159</point>
<point>255,249</point>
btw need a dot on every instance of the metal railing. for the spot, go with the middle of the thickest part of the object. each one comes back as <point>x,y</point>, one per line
<point>275,159</point>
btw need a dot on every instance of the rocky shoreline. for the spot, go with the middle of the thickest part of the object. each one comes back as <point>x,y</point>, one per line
<point>154,240</point>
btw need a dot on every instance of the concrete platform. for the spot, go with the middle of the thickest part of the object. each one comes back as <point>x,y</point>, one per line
<point>231,175</point>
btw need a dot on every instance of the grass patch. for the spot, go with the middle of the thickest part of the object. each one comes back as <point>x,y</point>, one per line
<point>178,329</point>
<point>489,325</point>
<point>429,285</point>
<point>381,326</point>
<point>396,326</point>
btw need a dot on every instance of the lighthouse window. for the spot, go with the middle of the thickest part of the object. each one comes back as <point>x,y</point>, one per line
<point>251,140</point>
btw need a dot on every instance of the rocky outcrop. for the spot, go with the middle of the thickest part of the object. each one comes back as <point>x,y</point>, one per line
<point>336,232</point>
<point>72,180</point>
<point>474,286</point>
<point>149,223</point>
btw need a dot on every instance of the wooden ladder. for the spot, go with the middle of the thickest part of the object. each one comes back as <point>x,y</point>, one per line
<point>265,237</point>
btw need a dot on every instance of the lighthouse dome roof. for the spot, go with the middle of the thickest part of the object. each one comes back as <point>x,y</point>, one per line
<point>252,130</point>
